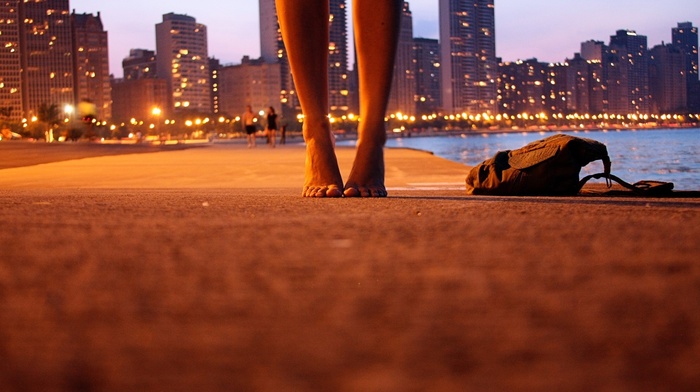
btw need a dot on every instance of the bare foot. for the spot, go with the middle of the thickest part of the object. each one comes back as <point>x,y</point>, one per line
<point>322,176</point>
<point>367,175</point>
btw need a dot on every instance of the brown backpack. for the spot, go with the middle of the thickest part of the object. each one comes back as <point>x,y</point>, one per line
<point>550,166</point>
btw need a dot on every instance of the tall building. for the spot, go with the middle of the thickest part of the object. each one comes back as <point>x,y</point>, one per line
<point>628,83</point>
<point>667,79</point>
<point>597,88</point>
<point>10,63</point>
<point>468,56</point>
<point>578,85</point>
<point>46,55</point>
<point>427,71</point>
<point>685,38</point>
<point>559,89</point>
<point>183,61</point>
<point>402,97</point>
<point>91,55</point>
<point>272,51</point>
<point>253,82</point>
<point>215,71</point>
<point>523,87</point>
<point>338,82</point>
<point>141,64</point>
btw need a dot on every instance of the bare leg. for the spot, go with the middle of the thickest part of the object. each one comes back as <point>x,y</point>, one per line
<point>304,25</point>
<point>377,26</point>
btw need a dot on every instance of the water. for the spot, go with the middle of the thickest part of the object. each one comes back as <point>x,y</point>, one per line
<point>661,154</point>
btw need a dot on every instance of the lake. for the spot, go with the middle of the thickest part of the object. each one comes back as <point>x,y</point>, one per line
<point>657,154</point>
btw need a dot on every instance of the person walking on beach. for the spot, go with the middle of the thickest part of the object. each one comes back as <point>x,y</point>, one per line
<point>271,126</point>
<point>305,31</point>
<point>248,120</point>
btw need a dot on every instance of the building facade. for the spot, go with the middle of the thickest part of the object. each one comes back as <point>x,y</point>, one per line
<point>667,79</point>
<point>338,82</point>
<point>523,87</point>
<point>685,39</point>
<point>578,85</point>
<point>427,71</point>
<point>628,76</point>
<point>468,56</point>
<point>253,82</point>
<point>592,50</point>
<point>46,53</point>
<point>141,64</point>
<point>183,61</point>
<point>214,71</point>
<point>137,99</point>
<point>91,55</point>
<point>11,108</point>
<point>402,98</point>
<point>273,51</point>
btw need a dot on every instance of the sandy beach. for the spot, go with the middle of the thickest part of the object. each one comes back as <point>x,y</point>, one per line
<point>202,269</point>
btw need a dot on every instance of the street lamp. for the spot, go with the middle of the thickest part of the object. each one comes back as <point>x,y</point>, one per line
<point>156,112</point>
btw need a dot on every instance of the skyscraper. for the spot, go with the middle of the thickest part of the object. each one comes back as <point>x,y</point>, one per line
<point>403,87</point>
<point>578,84</point>
<point>628,79</point>
<point>523,87</point>
<point>685,38</point>
<point>10,62</point>
<point>428,93</point>
<point>272,51</point>
<point>667,79</point>
<point>338,58</point>
<point>468,56</point>
<point>183,61</point>
<point>46,54</point>
<point>215,72</point>
<point>90,52</point>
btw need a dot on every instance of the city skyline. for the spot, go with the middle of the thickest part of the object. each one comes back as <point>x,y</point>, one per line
<point>546,29</point>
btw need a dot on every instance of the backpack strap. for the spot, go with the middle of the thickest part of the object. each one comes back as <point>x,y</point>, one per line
<point>645,188</point>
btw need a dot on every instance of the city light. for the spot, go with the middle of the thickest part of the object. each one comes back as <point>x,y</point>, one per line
<point>529,94</point>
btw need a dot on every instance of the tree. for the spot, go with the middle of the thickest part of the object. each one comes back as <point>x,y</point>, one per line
<point>48,114</point>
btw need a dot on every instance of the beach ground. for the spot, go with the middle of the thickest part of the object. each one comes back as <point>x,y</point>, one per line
<point>203,269</point>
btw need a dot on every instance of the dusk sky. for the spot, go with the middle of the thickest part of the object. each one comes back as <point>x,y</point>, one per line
<point>550,30</point>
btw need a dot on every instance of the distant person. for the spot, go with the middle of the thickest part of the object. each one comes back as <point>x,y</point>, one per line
<point>248,120</point>
<point>305,31</point>
<point>283,133</point>
<point>271,126</point>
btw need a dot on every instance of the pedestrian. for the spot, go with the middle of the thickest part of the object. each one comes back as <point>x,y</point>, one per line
<point>283,133</point>
<point>248,119</point>
<point>271,126</point>
<point>305,31</point>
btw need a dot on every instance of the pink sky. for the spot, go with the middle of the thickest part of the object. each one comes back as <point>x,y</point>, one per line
<point>548,30</point>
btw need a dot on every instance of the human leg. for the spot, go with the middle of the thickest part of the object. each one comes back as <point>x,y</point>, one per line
<point>304,25</point>
<point>377,26</point>
<point>250,135</point>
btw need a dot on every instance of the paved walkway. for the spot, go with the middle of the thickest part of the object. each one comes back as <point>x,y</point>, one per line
<point>202,269</point>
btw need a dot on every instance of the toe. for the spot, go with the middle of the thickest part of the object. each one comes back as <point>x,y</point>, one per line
<point>351,192</point>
